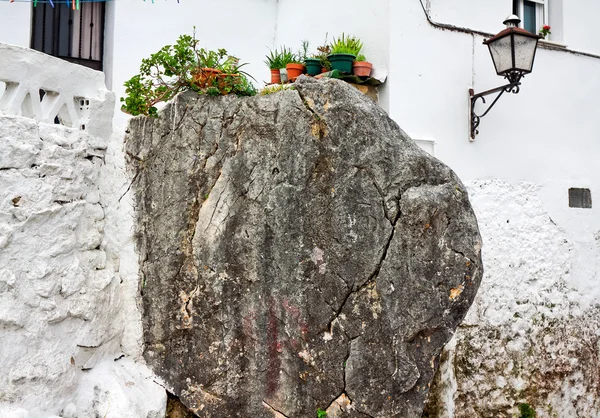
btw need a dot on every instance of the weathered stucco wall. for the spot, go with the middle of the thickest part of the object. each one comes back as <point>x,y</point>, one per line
<point>532,334</point>
<point>66,298</point>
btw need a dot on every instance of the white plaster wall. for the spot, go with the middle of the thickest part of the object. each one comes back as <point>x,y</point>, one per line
<point>531,148</point>
<point>557,21</point>
<point>15,23</point>
<point>580,21</point>
<point>481,15</point>
<point>68,281</point>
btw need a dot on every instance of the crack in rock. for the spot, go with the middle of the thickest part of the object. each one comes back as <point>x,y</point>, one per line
<point>244,190</point>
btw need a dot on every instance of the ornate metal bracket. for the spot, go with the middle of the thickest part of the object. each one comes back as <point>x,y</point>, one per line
<point>512,87</point>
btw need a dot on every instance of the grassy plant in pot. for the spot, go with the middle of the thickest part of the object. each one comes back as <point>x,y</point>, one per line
<point>287,57</point>
<point>343,53</point>
<point>361,67</point>
<point>274,62</point>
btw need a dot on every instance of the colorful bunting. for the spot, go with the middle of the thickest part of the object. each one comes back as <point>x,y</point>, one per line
<point>75,4</point>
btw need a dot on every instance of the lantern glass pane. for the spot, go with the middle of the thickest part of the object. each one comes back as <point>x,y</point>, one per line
<point>502,54</point>
<point>524,52</point>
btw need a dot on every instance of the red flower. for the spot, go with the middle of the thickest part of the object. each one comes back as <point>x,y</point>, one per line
<point>546,27</point>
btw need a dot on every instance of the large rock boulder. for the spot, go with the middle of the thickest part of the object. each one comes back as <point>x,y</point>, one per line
<point>298,253</point>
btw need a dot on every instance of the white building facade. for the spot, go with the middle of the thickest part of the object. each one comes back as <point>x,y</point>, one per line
<point>533,335</point>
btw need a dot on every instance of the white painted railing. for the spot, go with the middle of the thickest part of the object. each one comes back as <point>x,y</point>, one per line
<point>51,90</point>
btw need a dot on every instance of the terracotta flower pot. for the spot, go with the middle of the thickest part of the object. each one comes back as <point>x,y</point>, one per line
<point>294,71</point>
<point>227,81</point>
<point>362,68</point>
<point>205,77</point>
<point>275,76</point>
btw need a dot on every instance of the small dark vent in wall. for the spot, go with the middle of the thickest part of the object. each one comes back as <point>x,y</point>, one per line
<point>580,198</point>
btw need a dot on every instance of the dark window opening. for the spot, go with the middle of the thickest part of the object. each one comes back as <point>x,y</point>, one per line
<point>529,16</point>
<point>73,35</point>
<point>580,198</point>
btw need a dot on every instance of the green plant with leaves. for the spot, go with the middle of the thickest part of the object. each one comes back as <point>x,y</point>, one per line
<point>162,75</point>
<point>303,53</point>
<point>361,58</point>
<point>321,413</point>
<point>210,59</point>
<point>287,57</point>
<point>346,44</point>
<point>175,68</point>
<point>324,51</point>
<point>243,87</point>
<point>275,60</point>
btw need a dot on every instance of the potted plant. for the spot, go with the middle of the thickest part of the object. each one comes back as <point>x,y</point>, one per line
<point>324,52</point>
<point>274,62</point>
<point>343,52</point>
<point>361,67</point>
<point>313,65</point>
<point>296,67</point>
<point>287,57</point>
<point>318,62</point>
<point>207,63</point>
<point>180,67</point>
<point>230,75</point>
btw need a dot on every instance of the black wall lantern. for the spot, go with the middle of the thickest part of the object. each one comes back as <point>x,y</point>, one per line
<point>513,51</point>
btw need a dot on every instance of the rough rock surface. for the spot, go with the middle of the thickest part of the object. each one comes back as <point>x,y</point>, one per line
<point>298,252</point>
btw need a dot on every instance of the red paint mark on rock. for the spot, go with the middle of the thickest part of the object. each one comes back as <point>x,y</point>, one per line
<point>295,313</point>
<point>273,350</point>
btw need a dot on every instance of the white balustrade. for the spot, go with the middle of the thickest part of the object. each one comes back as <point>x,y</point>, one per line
<point>51,90</point>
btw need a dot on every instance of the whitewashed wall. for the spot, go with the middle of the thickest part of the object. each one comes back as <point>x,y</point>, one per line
<point>580,21</point>
<point>482,15</point>
<point>67,290</point>
<point>15,23</point>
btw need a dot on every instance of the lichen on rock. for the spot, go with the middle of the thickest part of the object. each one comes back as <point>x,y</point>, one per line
<point>298,252</point>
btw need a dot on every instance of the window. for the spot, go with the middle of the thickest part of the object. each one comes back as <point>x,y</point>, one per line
<point>74,35</point>
<point>533,14</point>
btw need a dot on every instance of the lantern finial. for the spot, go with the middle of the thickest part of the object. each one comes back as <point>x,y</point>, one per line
<point>512,21</point>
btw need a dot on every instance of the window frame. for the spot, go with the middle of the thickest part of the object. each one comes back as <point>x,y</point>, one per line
<point>541,15</point>
<point>54,49</point>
